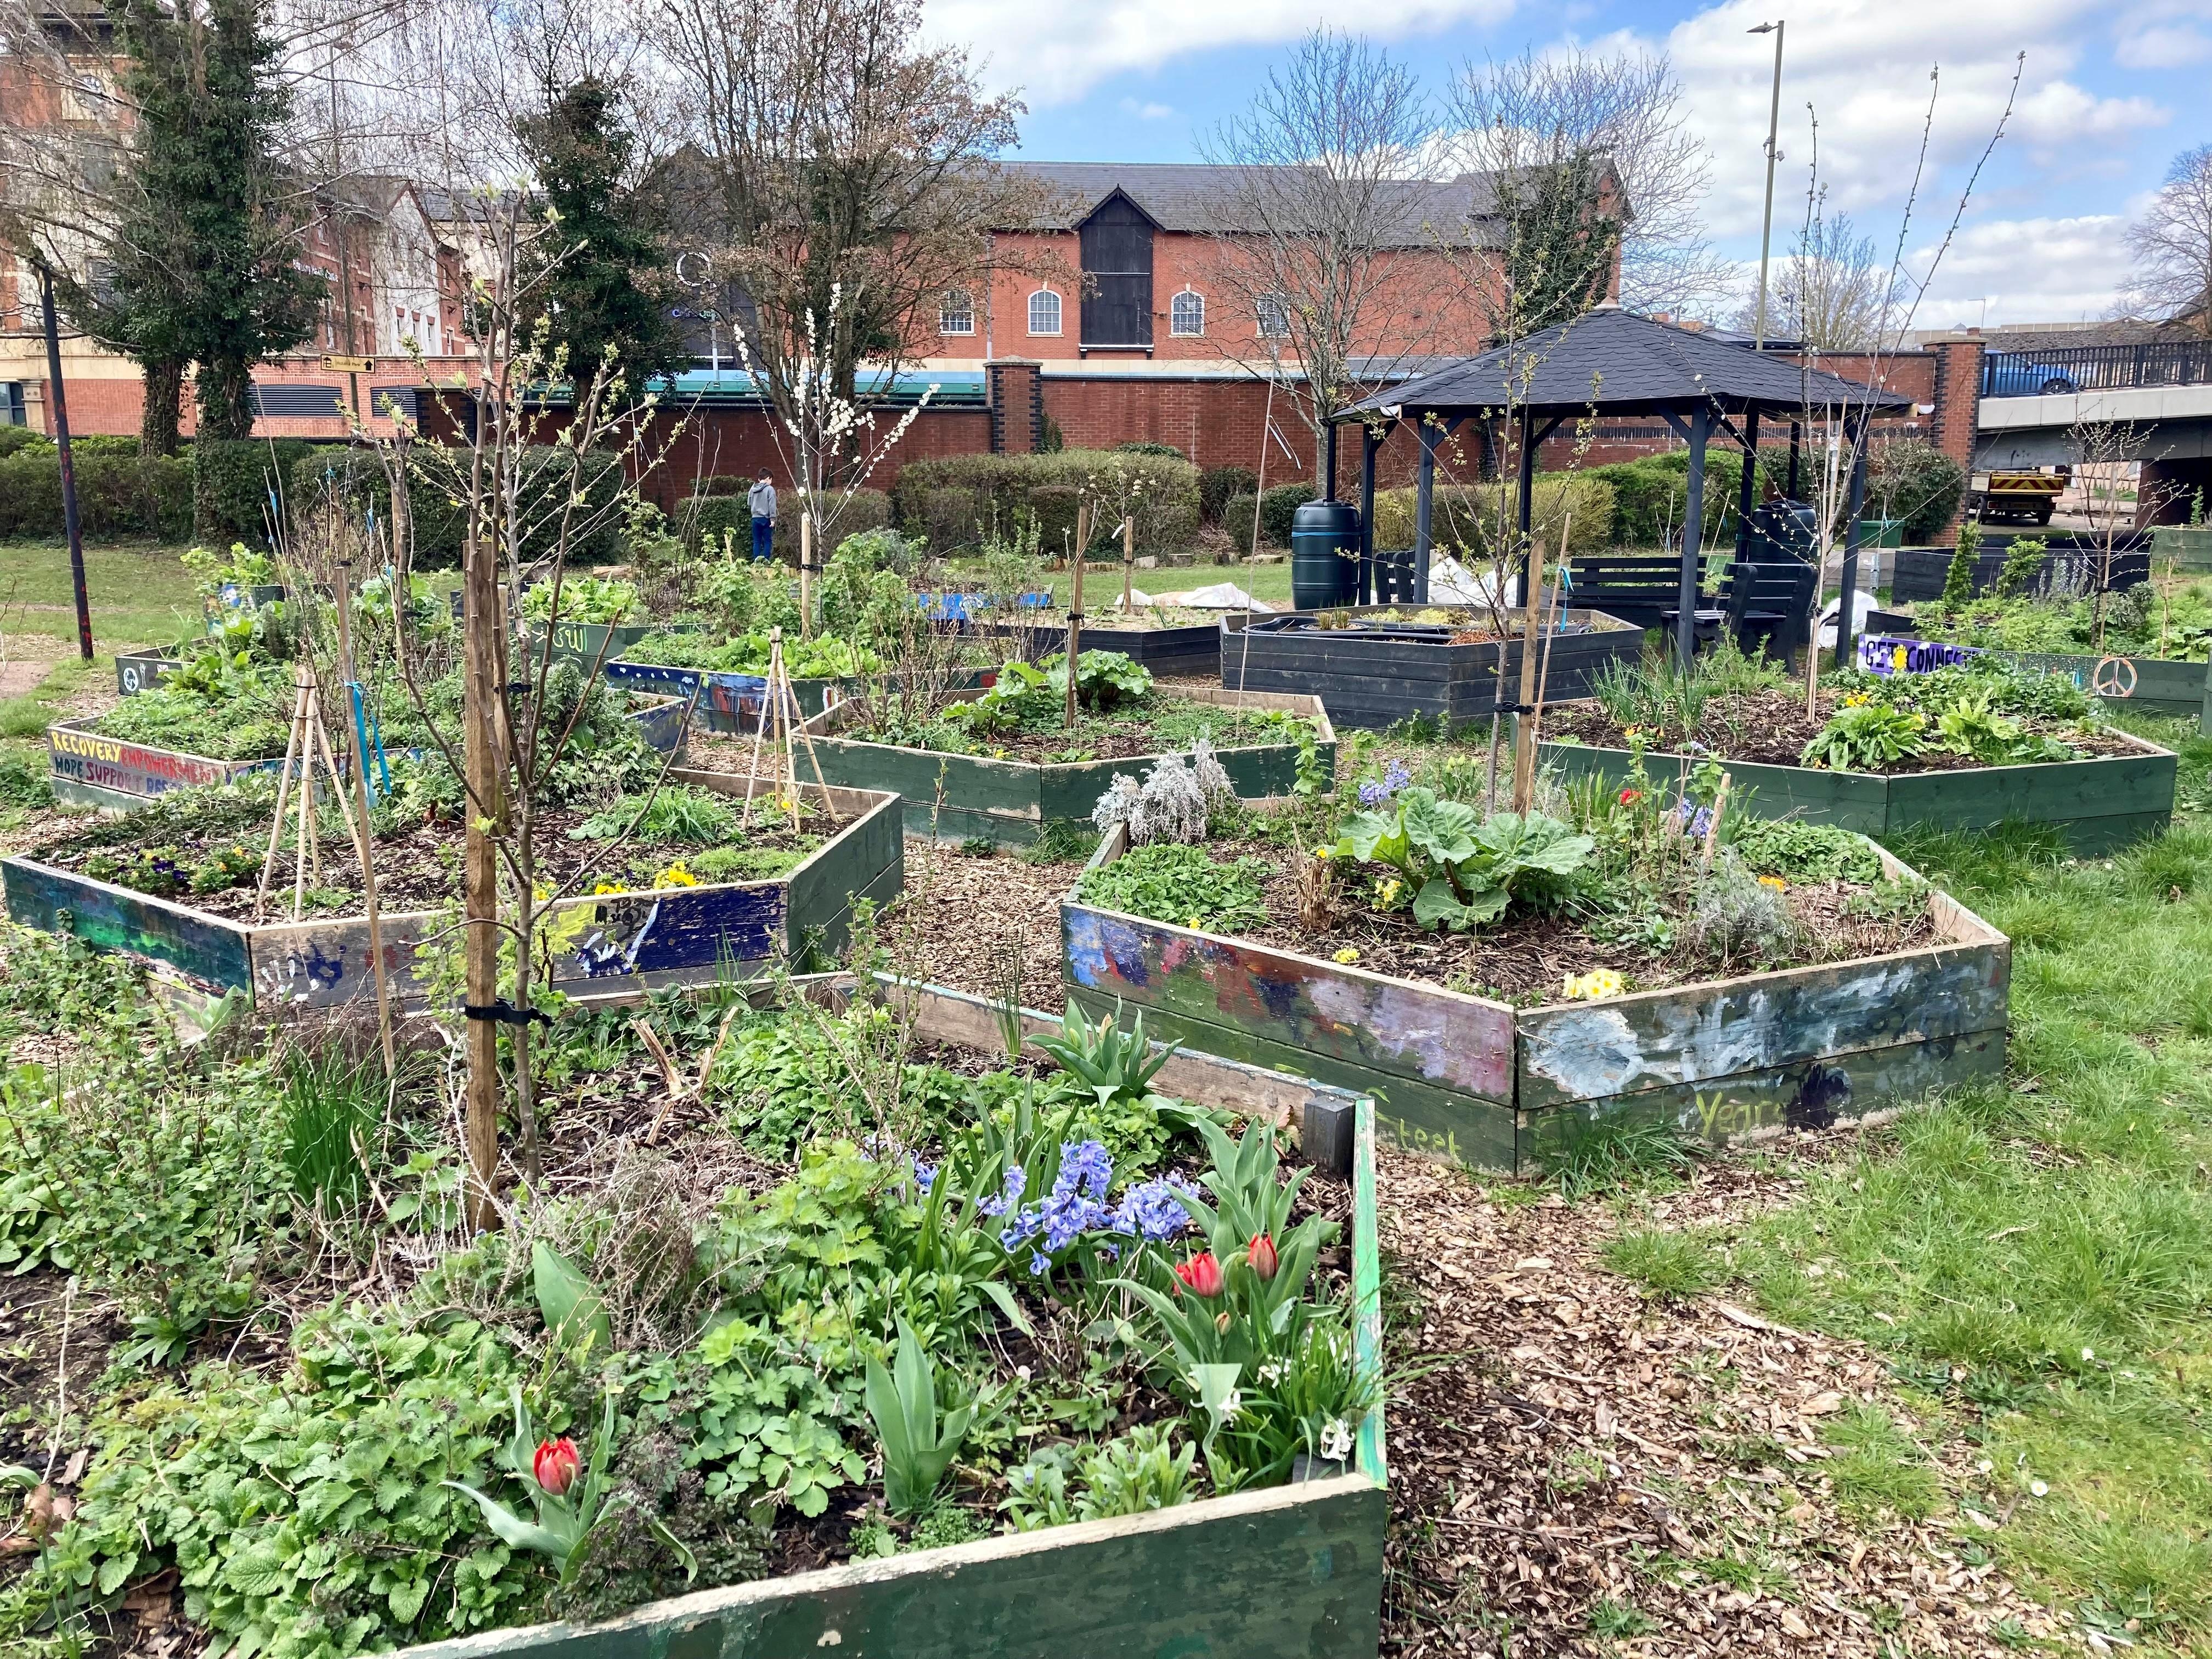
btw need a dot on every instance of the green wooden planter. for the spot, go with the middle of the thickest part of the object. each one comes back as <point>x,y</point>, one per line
<point>2184,546</point>
<point>1270,1574</point>
<point>88,769</point>
<point>680,935</point>
<point>973,797</point>
<point>2148,685</point>
<point>2098,805</point>
<point>1482,1084</point>
<point>587,644</point>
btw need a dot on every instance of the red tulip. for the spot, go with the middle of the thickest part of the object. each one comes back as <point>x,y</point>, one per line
<point>1628,795</point>
<point>555,1465</point>
<point>1261,1255</point>
<point>1201,1273</point>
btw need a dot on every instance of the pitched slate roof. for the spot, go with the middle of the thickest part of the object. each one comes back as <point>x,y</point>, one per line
<point>1199,199</point>
<point>1614,360</point>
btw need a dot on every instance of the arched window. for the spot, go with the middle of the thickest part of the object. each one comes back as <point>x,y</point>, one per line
<point>957,315</point>
<point>1274,317</point>
<point>1186,313</point>
<point>1044,312</point>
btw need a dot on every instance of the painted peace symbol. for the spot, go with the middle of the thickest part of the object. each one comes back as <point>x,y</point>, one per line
<point>2113,677</point>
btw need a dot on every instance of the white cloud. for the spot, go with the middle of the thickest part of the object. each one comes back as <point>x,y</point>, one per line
<point>2029,270</point>
<point>1147,111</point>
<point>2163,35</point>
<point>1864,69</point>
<point>1056,53</point>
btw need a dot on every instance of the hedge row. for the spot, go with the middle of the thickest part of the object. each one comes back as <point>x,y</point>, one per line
<point>703,518</point>
<point>351,477</point>
<point>117,495</point>
<point>958,500</point>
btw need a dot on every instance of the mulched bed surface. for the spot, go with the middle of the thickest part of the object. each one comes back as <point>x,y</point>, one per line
<point>1770,728</point>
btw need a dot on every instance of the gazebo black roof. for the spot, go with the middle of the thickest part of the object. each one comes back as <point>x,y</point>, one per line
<point>1615,362</point>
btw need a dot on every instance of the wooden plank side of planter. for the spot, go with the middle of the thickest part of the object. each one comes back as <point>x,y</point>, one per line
<point>1411,1115</point>
<point>1694,1035</point>
<point>1849,800</point>
<point>323,963</point>
<point>77,755</point>
<point>866,860</point>
<point>206,950</point>
<point>1285,1572</point>
<point>2066,793</point>
<point>1814,1094</point>
<point>2161,685</point>
<point>1391,1026</point>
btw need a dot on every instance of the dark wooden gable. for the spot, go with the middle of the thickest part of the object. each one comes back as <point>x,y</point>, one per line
<point>1117,270</point>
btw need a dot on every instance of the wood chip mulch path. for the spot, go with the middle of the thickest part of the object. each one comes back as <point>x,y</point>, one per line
<point>1577,1446</point>
<point>965,921</point>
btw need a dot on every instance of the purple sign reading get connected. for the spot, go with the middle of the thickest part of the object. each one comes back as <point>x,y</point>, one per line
<point>1886,653</point>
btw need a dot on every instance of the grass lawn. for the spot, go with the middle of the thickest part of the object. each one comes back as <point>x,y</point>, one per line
<point>139,595</point>
<point>1101,582</point>
<point>2036,1258</point>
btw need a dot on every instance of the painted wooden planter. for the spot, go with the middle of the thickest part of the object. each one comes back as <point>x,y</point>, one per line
<point>669,935</point>
<point>141,671</point>
<point>2184,547</point>
<point>585,643</point>
<point>731,702</point>
<point>1271,1574</point>
<point>91,770</point>
<point>1383,673</point>
<point>973,797</point>
<point>2151,685</point>
<point>1481,1083</point>
<point>2098,805</point>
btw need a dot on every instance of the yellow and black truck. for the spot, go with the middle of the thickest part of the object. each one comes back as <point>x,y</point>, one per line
<point>2020,495</point>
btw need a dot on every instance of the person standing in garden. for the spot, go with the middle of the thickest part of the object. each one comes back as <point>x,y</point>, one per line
<point>762,499</point>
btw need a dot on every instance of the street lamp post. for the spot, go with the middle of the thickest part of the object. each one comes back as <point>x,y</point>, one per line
<point>58,421</point>
<point>1767,224</point>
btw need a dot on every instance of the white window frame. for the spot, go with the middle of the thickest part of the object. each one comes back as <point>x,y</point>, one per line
<point>1175,312</point>
<point>1274,307</point>
<point>1059,313</point>
<point>964,314</point>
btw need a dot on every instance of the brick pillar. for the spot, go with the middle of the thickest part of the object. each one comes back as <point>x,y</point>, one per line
<point>1956,422</point>
<point>1014,386</point>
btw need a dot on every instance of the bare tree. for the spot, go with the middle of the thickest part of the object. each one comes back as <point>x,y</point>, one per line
<point>1830,291</point>
<point>2172,246</point>
<point>1591,156</point>
<point>1321,218</point>
<point>847,183</point>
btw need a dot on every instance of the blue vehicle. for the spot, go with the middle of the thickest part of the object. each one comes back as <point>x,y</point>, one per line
<point>2007,374</point>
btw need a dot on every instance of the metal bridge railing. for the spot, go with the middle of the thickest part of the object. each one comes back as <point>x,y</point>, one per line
<point>2096,368</point>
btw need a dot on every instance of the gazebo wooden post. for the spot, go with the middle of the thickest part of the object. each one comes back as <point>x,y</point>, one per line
<point>1744,486</point>
<point>1367,447</point>
<point>1694,536</point>
<point>1424,499</point>
<point>1854,435</point>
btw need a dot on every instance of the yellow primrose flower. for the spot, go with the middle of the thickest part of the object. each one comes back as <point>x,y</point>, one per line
<point>676,876</point>
<point>1323,852</point>
<point>1347,956</point>
<point>1389,891</point>
<point>1193,923</point>
<point>606,887</point>
<point>1588,988</point>
<point>1774,882</point>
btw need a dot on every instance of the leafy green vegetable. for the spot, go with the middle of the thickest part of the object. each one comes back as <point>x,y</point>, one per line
<point>1172,882</point>
<point>1462,870</point>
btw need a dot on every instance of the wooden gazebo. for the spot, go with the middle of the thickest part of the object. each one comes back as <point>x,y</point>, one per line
<point>1610,362</point>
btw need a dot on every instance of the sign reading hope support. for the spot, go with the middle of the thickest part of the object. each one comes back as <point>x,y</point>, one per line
<point>1887,654</point>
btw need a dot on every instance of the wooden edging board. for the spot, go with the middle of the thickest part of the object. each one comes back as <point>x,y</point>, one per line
<point>1283,1570</point>
<point>663,936</point>
<point>1481,1083</point>
<point>2098,804</point>
<point>88,769</point>
<point>1374,681</point>
<point>731,702</point>
<point>974,797</point>
<point>2153,685</point>
<point>1182,648</point>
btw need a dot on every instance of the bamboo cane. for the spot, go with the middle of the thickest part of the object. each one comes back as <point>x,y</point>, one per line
<point>283,794</point>
<point>1075,610</point>
<point>1551,632</point>
<point>1524,748</point>
<point>1129,564</point>
<point>361,832</point>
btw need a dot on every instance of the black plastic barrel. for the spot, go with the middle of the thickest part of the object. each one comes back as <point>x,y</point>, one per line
<point>1324,555</point>
<point>1782,529</point>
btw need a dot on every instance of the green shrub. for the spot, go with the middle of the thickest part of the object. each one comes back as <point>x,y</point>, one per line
<point>440,518</point>
<point>1217,484</point>
<point>30,494</point>
<point>1469,515</point>
<point>1915,482</point>
<point>1278,505</point>
<point>1236,519</point>
<point>117,494</point>
<point>948,499</point>
<point>701,520</point>
<point>231,482</point>
<point>1146,446</point>
<point>1052,508</point>
<point>13,439</point>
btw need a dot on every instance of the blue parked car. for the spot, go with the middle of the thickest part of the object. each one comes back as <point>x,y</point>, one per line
<point>2006,375</point>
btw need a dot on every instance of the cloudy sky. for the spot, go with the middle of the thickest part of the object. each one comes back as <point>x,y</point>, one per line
<point>2110,92</point>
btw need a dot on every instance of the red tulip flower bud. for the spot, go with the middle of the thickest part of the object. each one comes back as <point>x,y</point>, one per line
<point>555,1465</point>
<point>1201,1273</point>
<point>1261,1255</point>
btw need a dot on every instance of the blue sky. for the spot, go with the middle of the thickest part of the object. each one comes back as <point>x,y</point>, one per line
<point>2109,94</point>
